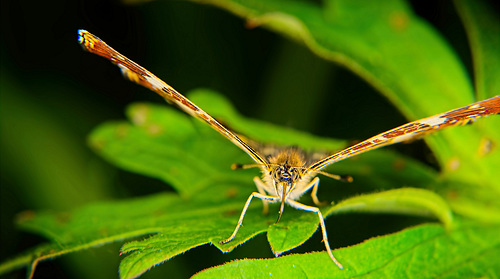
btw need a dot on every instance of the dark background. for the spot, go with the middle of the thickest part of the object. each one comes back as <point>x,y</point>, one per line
<point>53,94</point>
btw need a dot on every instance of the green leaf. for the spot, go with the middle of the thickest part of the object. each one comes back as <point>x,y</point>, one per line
<point>425,251</point>
<point>410,201</point>
<point>161,141</point>
<point>405,59</point>
<point>384,43</point>
<point>482,27</point>
<point>474,193</point>
<point>31,258</point>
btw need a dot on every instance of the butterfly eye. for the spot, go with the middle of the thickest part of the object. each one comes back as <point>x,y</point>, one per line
<point>285,176</point>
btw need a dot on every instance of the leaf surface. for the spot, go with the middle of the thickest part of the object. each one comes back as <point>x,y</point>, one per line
<point>425,251</point>
<point>212,195</point>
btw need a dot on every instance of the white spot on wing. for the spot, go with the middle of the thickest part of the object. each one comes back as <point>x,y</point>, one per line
<point>155,82</point>
<point>80,35</point>
<point>434,120</point>
<point>123,69</point>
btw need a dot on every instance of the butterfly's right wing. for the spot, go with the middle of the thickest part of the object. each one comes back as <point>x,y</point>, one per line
<point>415,129</point>
<point>138,74</point>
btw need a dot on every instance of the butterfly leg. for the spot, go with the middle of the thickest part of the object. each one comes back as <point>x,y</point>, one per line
<point>263,189</point>
<point>314,193</point>
<point>240,221</point>
<point>321,223</point>
<point>314,184</point>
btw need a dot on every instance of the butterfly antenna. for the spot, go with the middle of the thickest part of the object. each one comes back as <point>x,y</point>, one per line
<point>244,166</point>
<point>344,178</point>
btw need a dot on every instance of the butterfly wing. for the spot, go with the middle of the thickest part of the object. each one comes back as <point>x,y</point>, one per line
<point>139,75</point>
<point>416,129</point>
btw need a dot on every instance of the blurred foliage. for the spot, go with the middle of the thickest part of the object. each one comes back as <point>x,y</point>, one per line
<point>52,95</point>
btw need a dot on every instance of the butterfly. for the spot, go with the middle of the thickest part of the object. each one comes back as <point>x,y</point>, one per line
<point>287,173</point>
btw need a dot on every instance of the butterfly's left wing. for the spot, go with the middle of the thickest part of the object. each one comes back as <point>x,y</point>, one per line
<point>416,129</point>
<point>140,75</point>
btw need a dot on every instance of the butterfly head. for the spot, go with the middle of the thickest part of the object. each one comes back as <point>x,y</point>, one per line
<point>284,179</point>
<point>286,169</point>
<point>285,174</point>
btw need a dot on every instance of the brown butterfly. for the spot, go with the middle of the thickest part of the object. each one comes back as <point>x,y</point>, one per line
<point>287,173</point>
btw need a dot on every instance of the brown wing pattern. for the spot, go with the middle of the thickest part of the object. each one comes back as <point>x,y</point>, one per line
<point>139,75</point>
<point>416,129</point>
